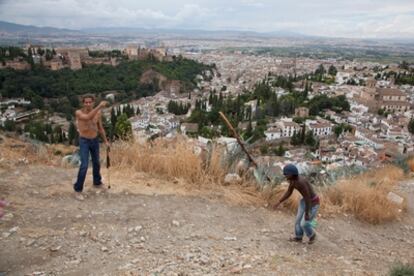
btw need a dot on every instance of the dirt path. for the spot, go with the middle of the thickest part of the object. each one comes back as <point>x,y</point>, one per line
<point>119,232</point>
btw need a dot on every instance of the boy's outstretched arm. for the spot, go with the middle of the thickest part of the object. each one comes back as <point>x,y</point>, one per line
<point>285,196</point>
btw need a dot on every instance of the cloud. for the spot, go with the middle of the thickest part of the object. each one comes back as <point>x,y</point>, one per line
<point>352,18</point>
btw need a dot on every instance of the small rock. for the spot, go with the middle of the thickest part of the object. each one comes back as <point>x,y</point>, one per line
<point>138,228</point>
<point>55,249</point>
<point>126,266</point>
<point>74,262</point>
<point>236,270</point>
<point>8,217</point>
<point>104,249</point>
<point>394,198</point>
<point>247,266</point>
<point>230,238</point>
<point>83,233</point>
<point>134,240</point>
<point>232,178</point>
<point>14,229</point>
<point>142,239</point>
<point>189,257</point>
<point>204,260</point>
<point>6,234</point>
<point>79,216</point>
<point>30,242</point>
<point>176,223</point>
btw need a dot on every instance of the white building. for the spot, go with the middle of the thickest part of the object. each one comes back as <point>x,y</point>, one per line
<point>284,128</point>
<point>319,127</point>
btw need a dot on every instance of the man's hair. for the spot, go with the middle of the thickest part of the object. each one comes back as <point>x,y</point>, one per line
<point>88,96</point>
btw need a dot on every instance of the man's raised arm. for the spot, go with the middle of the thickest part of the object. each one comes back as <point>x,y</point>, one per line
<point>88,116</point>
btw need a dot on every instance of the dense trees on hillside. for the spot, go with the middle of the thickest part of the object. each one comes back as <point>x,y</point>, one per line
<point>8,53</point>
<point>59,90</point>
<point>93,78</point>
<point>178,108</point>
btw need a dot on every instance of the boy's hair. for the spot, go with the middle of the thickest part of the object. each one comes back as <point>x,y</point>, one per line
<point>88,96</point>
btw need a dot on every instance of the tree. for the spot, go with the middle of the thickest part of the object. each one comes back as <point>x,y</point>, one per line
<point>280,151</point>
<point>10,125</point>
<point>123,128</point>
<point>264,149</point>
<point>404,65</point>
<point>249,131</point>
<point>72,134</point>
<point>411,126</point>
<point>295,139</point>
<point>332,70</point>
<point>37,102</point>
<point>310,139</point>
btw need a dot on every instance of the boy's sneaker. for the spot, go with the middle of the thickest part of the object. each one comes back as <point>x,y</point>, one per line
<point>295,239</point>
<point>312,239</point>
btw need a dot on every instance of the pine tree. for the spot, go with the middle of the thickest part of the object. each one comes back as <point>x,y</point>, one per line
<point>72,133</point>
<point>309,139</point>
<point>411,126</point>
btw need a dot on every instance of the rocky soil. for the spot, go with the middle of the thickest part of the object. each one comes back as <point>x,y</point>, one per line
<point>122,231</point>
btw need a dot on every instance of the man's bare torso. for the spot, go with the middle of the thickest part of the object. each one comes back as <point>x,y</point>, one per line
<point>88,128</point>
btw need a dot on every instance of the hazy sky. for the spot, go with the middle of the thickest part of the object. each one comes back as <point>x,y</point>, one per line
<point>337,18</point>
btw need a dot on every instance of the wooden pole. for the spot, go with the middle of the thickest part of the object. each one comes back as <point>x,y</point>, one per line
<point>236,135</point>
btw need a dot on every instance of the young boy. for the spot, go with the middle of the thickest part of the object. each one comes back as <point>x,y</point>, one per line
<point>308,205</point>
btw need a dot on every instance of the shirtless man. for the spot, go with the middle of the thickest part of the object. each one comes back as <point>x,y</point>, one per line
<point>89,123</point>
<point>308,205</point>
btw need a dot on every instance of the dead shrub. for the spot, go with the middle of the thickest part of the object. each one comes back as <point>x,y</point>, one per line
<point>364,196</point>
<point>171,159</point>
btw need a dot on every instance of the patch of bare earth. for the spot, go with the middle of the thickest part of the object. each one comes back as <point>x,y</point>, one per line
<point>145,225</point>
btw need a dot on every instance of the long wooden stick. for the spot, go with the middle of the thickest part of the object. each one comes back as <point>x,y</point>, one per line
<point>236,135</point>
<point>108,165</point>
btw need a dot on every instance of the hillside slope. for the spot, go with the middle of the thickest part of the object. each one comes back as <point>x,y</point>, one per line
<point>154,227</point>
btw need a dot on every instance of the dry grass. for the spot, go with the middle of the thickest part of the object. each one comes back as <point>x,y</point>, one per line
<point>171,159</point>
<point>411,164</point>
<point>364,196</point>
<point>14,152</point>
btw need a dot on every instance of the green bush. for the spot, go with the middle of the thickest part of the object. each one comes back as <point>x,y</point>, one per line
<point>402,270</point>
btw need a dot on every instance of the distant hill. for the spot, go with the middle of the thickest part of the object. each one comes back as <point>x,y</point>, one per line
<point>187,32</point>
<point>13,28</point>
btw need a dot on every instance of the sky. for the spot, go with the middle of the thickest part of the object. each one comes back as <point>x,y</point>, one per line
<point>331,18</point>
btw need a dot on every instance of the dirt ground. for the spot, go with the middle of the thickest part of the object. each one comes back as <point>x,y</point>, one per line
<point>147,226</point>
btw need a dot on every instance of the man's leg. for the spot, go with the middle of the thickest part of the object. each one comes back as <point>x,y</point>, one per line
<point>84,157</point>
<point>97,179</point>
<point>307,224</point>
<point>299,216</point>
